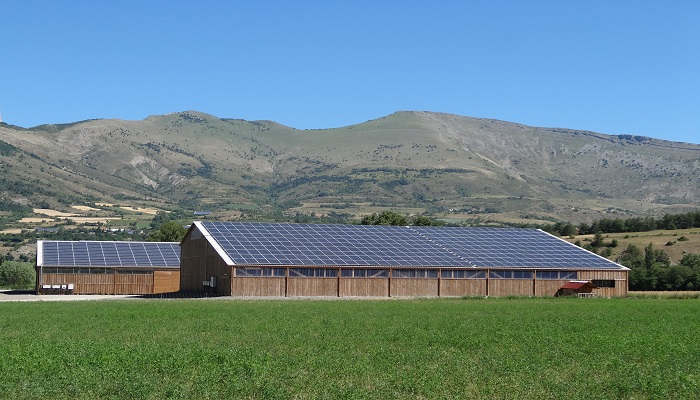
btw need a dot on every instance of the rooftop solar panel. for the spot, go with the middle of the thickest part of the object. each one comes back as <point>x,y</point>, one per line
<point>514,248</point>
<point>247,243</point>
<point>108,254</point>
<point>327,245</point>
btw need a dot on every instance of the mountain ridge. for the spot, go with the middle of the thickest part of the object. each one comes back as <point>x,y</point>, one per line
<point>430,161</point>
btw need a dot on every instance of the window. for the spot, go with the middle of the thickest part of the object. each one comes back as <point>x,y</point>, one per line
<point>259,272</point>
<point>551,275</point>
<point>604,283</point>
<point>462,274</point>
<point>363,273</point>
<point>95,270</point>
<point>313,273</point>
<point>510,274</point>
<point>414,273</point>
<point>127,271</point>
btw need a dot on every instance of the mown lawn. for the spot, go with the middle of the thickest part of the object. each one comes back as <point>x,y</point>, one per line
<point>222,349</point>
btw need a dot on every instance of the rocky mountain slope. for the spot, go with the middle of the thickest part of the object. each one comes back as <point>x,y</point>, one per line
<point>438,162</point>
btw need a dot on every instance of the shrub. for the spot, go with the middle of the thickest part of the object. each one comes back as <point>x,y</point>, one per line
<point>17,275</point>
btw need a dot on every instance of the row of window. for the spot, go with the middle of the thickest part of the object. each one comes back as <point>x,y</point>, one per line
<point>96,270</point>
<point>404,273</point>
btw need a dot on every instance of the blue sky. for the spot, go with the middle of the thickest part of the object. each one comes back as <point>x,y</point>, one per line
<point>615,67</point>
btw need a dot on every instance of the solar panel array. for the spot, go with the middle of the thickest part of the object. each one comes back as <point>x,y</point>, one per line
<point>397,246</point>
<point>116,254</point>
<point>514,248</point>
<point>327,245</point>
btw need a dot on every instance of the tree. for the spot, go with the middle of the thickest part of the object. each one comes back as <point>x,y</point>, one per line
<point>17,275</point>
<point>598,240</point>
<point>632,257</point>
<point>384,218</point>
<point>691,260</point>
<point>169,231</point>
<point>653,256</point>
<point>421,220</point>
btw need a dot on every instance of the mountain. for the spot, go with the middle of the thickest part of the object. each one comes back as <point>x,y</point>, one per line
<point>446,164</point>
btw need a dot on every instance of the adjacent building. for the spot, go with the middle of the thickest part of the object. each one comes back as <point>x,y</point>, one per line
<point>104,267</point>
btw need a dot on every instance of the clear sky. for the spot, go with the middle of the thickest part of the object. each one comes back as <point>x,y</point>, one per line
<point>615,67</point>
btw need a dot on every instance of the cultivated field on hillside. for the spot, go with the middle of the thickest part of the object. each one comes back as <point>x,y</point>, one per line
<point>216,348</point>
<point>675,242</point>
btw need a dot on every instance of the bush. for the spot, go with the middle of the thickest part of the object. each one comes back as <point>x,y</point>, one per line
<point>17,275</point>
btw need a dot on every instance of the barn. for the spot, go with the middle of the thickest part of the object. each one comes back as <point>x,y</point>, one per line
<point>297,260</point>
<point>104,267</point>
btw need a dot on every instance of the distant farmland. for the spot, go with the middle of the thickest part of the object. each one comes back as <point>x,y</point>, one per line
<point>489,348</point>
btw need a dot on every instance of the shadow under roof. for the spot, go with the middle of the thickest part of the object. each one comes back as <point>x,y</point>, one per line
<point>107,254</point>
<point>290,244</point>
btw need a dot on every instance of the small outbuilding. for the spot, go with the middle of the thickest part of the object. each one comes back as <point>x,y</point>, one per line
<point>286,260</point>
<point>105,267</point>
<point>577,288</point>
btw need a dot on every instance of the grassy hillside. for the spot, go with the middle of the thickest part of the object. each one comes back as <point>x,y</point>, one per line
<point>451,166</point>
<point>665,240</point>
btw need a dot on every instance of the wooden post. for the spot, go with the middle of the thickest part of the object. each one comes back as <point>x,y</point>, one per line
<point>389,280</point>
<point>488,272</point>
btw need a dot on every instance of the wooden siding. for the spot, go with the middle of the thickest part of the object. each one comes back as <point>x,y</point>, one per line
<point>462,287</point>
<point>199,261</point>
<point>510,287</point>
<point>364,287</point>
<point>548,288</point>
<point>312,287</point>
<point>166,281</point>
<point>103,283</point>
<point>408,287</point>
<point>259,286</point>
<point>620,278</point>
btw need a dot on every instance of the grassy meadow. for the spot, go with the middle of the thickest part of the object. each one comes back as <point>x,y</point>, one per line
<point>641,348</point>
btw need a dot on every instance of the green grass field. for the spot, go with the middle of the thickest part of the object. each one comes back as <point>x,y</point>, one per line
<point>222,349</point>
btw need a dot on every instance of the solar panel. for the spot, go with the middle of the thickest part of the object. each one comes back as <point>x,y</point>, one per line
<point>109,254</point>
<point>514,248</point>
<point>328,245</point>
<point>248,243</point>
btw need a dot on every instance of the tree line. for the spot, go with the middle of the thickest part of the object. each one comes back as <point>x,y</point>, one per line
<point>636,224</point>
<point>651,269</point>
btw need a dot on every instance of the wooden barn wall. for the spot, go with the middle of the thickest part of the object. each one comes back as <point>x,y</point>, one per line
<point>312,287</point>
<point>462,287</point>
<point>510,287</point>
<point>199,262</point>
<point>166,281</point>
<point>423,287</point>
<point>103,283</point>
<point>620,278</point>
<point>548,288</point>
<point>364,287</point>
<point>192,255</point>
<point>133,284</point>
<point>258,286</point>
